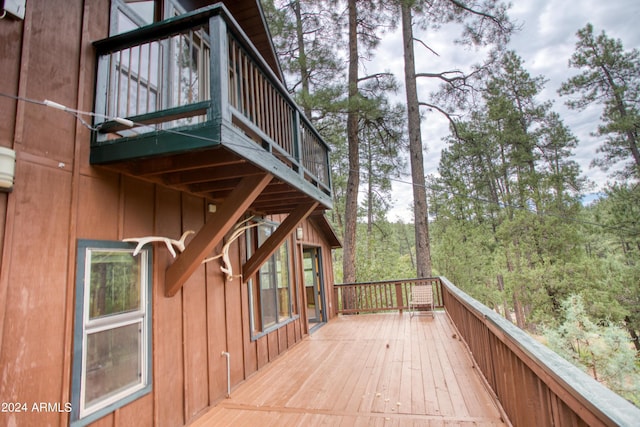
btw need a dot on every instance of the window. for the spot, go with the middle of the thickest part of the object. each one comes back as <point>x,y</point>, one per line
<point>112,335</point>
<point>271,294</point>
<point>134,85</point>
<point>158,74</point>
<point>127,15</point>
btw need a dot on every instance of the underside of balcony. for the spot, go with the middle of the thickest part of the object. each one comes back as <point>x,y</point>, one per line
<point>212,171</point>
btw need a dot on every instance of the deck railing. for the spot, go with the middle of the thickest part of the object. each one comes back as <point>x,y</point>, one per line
<point>532,383</point>
<point>198,69</point>
<point>372,297</point>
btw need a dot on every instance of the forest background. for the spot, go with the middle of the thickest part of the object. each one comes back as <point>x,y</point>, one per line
<point>508,220</point>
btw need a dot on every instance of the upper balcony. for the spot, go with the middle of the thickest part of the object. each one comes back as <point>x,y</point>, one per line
<point>207,111</point>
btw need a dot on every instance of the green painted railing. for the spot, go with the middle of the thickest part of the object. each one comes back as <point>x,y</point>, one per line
<point>194,81</point>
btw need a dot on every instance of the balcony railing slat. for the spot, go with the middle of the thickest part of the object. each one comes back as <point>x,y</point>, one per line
<point>150,73</point>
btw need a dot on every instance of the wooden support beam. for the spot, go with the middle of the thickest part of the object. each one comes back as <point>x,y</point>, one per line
<point>274,241</point>
<point>212,233</point>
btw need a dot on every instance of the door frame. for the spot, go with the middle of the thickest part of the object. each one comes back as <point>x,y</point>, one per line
<point>319,282</point>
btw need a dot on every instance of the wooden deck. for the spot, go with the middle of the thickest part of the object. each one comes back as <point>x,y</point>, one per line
<point>367,370</point>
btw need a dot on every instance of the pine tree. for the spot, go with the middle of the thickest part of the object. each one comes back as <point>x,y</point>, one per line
<point>484,22</point>
<point>603,350</point>
<point>610,76</point>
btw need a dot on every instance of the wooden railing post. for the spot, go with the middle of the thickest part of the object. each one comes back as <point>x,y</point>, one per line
<point>399,298</point>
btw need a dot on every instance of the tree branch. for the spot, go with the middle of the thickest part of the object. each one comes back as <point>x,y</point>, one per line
<point>444,113</point>
<point>443,76</point>
<point>426,46</point>
<point>462,6</point>
<point>376,76</point>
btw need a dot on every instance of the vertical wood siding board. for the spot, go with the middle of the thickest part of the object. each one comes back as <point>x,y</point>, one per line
<point>32,357</point>
<point>83,103</point>
<point>168,331</point>
<point>272,345</point>
<point>18,135</point>
<point>235,341</point>
<point>250,356</point>
<point>283,338</point>
<point>216,332</point>
<point>263,351</point>
<point>538,397</point>
<point>195,322</point>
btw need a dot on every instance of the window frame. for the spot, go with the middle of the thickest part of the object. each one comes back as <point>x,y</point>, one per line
<point>80,414</point>
<point>254,285</point>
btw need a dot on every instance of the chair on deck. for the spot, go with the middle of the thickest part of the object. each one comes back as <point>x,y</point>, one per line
<point>421,296</point>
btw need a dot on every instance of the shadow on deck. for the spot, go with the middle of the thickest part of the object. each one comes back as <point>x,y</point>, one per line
<point>376,369</point>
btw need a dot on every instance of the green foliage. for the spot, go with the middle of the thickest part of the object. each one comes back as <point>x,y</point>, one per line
<point>610,77</point>
<point>507,225</point>
<point>385,253</point>
<point>601,349</point>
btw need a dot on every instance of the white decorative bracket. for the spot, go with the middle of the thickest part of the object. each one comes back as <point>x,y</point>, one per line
<point>179,244</point>
<point>226,266</point>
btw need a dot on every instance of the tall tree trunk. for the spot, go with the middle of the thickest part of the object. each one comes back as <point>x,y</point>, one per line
<point>302,57</point>
<point>632,333</point>
<point>353,180</point>
<point>420,208</point>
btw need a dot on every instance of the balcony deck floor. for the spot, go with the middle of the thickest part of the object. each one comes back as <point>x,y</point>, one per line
<point>367,370</point>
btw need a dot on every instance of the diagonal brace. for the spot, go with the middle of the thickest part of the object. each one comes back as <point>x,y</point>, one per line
<point>274,241</point>
<point>212,233</point>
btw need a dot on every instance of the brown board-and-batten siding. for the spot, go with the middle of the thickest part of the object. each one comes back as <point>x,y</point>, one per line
<point>190,330</point>
<point>59,198</point>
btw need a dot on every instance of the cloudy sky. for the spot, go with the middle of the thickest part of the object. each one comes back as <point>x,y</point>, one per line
<point>545,43</point>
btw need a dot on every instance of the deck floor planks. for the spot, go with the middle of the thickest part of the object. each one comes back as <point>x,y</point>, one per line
<point>373,372</point>
<point>426,341</point>
<point>436,383</point>
<point>461,358</point>
<point>344,374</point>
<point>446,352</point>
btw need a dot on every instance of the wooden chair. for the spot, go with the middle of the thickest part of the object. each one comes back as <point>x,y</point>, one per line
<point>421,296</point>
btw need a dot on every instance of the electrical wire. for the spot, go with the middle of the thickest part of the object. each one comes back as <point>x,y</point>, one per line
<point>129,123</point>
<point>501,205</point>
